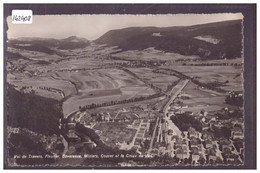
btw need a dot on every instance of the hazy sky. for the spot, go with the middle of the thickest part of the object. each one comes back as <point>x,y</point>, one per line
<point>93,26</point>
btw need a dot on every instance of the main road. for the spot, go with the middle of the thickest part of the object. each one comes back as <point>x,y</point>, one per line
<point>170,124</point>
<point>173,97</point>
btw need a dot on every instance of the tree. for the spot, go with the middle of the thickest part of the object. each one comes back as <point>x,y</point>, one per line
<point>202,160</point>
<point>219,160</point>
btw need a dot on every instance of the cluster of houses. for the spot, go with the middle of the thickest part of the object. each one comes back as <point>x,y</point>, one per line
<point>203,147</point>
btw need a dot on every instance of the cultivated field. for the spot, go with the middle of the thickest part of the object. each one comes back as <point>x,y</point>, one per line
<point>100,86</point>
<point>79,78</point>
<point>44,86</point>
<point>230,76</point>
<point>202,99</point>
<point>157,79</point>
<point>152,54</point>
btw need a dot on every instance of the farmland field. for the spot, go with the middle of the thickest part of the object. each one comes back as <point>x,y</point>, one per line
<point>152,54</point>
<point>38,84</point>
<point>202,99</point>
<point>230,75</point>
<point>101,86</point>
<point>157,79</point>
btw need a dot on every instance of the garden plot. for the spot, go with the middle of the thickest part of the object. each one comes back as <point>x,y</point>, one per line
<point>113,132</point>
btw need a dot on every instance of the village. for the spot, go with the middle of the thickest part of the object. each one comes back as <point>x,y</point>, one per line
<point>210,138</point>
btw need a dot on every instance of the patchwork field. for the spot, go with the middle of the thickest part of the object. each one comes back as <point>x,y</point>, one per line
<point>199,99</point>
<point>100,86</point>
<point>157,79</point>
<point>91,79</point>
<point>152,54</point>
<point>230,76</point>
<point>44,86</point>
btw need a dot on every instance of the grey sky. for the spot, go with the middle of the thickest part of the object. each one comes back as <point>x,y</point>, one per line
<point>93,26</point>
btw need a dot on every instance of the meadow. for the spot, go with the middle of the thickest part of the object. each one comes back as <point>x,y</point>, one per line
<point>101,86</point>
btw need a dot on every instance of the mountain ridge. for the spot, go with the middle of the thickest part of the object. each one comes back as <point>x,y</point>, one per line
<point>46,45</point>
<point>180,39</point>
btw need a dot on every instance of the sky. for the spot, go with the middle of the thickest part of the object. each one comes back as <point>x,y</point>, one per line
<point>92,27</point>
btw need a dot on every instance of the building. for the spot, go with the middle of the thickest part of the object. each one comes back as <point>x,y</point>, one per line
<point>193,133</point>
<point>211,154</point>
<point>239,122</point>
<point>71,136</point>
<point>207,135</point>
<point>106,117</point>
<point>182,153</point>
<point>225,144</point>
<point>208,144</point>
<point>195,156</point>
<point>231,157</point>
<point>194,142</point>
<point>237,133</point>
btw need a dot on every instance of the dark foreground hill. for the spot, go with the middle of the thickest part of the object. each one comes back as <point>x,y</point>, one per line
<point>228,36</point>
<point>33,112</point>
<point>37,119</point>
<point>47,45</point>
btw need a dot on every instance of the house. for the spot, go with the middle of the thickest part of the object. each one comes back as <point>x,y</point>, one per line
<point>193,133</point>
<point>175,138</point>
<point>231,157</point>
<point>194,142</point>
<point>208,144</point>
<point>237,133</point>
<point>207,135</point>
<point>225,144</point>
<point>181,142</point>
<point>71,125</point>
<point>71,136</point>
<point>212,154</point>
<point>181,153</point>
<point>239,122</point>
<point>195,156</point>
<point>106,117</point>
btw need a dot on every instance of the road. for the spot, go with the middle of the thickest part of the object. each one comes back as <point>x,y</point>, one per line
<point>133,141</point>
<point>170,124</point>
<point>152,139</point>
<point>173,97</point>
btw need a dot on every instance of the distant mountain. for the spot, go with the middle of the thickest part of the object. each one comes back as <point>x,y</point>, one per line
<point>47,45</point>
<point>211,41</point>
<point>73,42</point>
